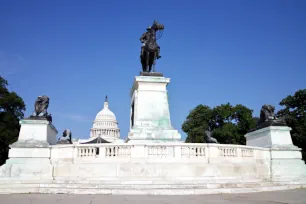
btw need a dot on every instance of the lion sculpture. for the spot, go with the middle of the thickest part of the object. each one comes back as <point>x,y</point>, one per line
<point>268,118</point>
<point>267,113</point>
<point>66,138</point>
<point>41,106</point>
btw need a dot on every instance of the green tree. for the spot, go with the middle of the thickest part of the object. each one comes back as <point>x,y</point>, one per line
<point>294,112</point>
<point>11,111</point>
<point>196,123</point>
<point>228,123</point>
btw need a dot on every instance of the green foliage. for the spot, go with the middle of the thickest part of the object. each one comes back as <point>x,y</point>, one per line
<point>197,121</point>
<point>11,111</point>
<point>228,123</point>
<point>294,112</point>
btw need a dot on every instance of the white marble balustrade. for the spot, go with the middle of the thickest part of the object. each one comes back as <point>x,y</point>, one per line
<point>228,151</point>
<point>183,151</point>
<point>193,151</point>
<point>87,151</point>
<point>118,151</point>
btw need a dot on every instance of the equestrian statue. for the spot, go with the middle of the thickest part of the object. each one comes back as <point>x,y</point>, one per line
<point>150,50</point>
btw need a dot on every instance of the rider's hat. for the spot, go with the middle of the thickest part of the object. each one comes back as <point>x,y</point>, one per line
<point>149,28</point>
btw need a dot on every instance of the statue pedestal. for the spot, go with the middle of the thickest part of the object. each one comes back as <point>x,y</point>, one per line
<point>29,157</point>
<point>150,116</point>
<point>272,136</point>
<point>286,159</point>
<point>36,133</point>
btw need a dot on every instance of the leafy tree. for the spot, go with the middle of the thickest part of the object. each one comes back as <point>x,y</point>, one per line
<point>294,112</point>
<point>11,111</point>
<point>228,123</point>
<point>196,123</point>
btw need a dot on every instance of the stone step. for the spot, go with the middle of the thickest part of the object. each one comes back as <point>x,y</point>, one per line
<point>136,186</point>
<point>143,191</point>
<point>140,180</point>
<point>140,185</point>
<point>144,186</point>
<point>132,181</point>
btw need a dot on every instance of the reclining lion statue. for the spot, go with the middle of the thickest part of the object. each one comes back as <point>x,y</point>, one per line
<point>268,117</point>
<point>66,138</point>
<point>267,113</point>
<point>40,108</point>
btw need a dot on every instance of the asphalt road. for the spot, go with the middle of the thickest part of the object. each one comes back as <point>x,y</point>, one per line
<point>276,197</point>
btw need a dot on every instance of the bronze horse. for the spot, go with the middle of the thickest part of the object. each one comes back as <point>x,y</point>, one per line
<point>151,48</point>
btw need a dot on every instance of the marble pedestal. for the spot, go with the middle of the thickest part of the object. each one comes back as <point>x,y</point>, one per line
<point>286,159</point>
<point>36,133</point>
<point>29,157</point>
<point>272,136</point>
<point>150,115</point>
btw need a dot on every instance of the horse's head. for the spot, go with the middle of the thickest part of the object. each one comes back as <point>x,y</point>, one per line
<point>157,26</point>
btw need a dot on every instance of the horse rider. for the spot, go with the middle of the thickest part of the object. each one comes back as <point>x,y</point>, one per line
<point>144,39</point>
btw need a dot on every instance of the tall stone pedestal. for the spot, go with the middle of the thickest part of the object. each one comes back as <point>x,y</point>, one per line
<point>29,157</point>
<point>36,133</point>
<point>150,116</point>
<point>286,159</point>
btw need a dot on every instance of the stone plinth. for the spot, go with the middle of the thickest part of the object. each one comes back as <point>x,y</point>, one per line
<point>287,164</point>
<point>150,115</point>
<point>36,133</point>
<point>29,157</point>
<point>286,159</point>
<point>272,136</point>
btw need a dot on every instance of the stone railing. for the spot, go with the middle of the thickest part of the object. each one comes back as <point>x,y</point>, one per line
<point>117,151</point>
<point>193,151</point>
<point>247,152</point>
<point>159,151</point>
<point>87,151</point>
<point>228,151</point>
<point>209,153</point>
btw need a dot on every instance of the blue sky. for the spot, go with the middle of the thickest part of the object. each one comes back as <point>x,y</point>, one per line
<point>76,52</point>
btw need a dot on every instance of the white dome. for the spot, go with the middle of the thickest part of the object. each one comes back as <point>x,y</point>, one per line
<point>105,124</point>
<point>105,113</point>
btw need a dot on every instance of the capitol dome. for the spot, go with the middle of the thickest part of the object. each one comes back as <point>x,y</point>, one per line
<point>105,113</point>
<point>105,125</point>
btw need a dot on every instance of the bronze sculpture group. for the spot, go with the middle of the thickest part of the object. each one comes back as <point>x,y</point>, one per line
<point>150,50</point>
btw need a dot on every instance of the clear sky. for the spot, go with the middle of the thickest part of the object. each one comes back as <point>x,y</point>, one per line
<point>76,52</point>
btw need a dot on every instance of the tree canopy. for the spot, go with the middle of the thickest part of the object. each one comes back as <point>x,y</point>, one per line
<point>11,111</point>
<point>294,112</point>
<point>228,123</point>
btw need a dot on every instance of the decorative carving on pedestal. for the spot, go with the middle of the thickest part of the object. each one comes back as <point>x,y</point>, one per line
<point>66,138</point>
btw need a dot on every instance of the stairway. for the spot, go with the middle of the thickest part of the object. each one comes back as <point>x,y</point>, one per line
<point>142,187</point>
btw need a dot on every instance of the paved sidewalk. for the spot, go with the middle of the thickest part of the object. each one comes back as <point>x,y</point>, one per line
<point>276,197</point>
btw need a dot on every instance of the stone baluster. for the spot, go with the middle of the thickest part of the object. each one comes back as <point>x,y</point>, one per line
<point>92,153</point>
<point>238,152</point>
<point>177,152</point>
<point>117,152</point>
